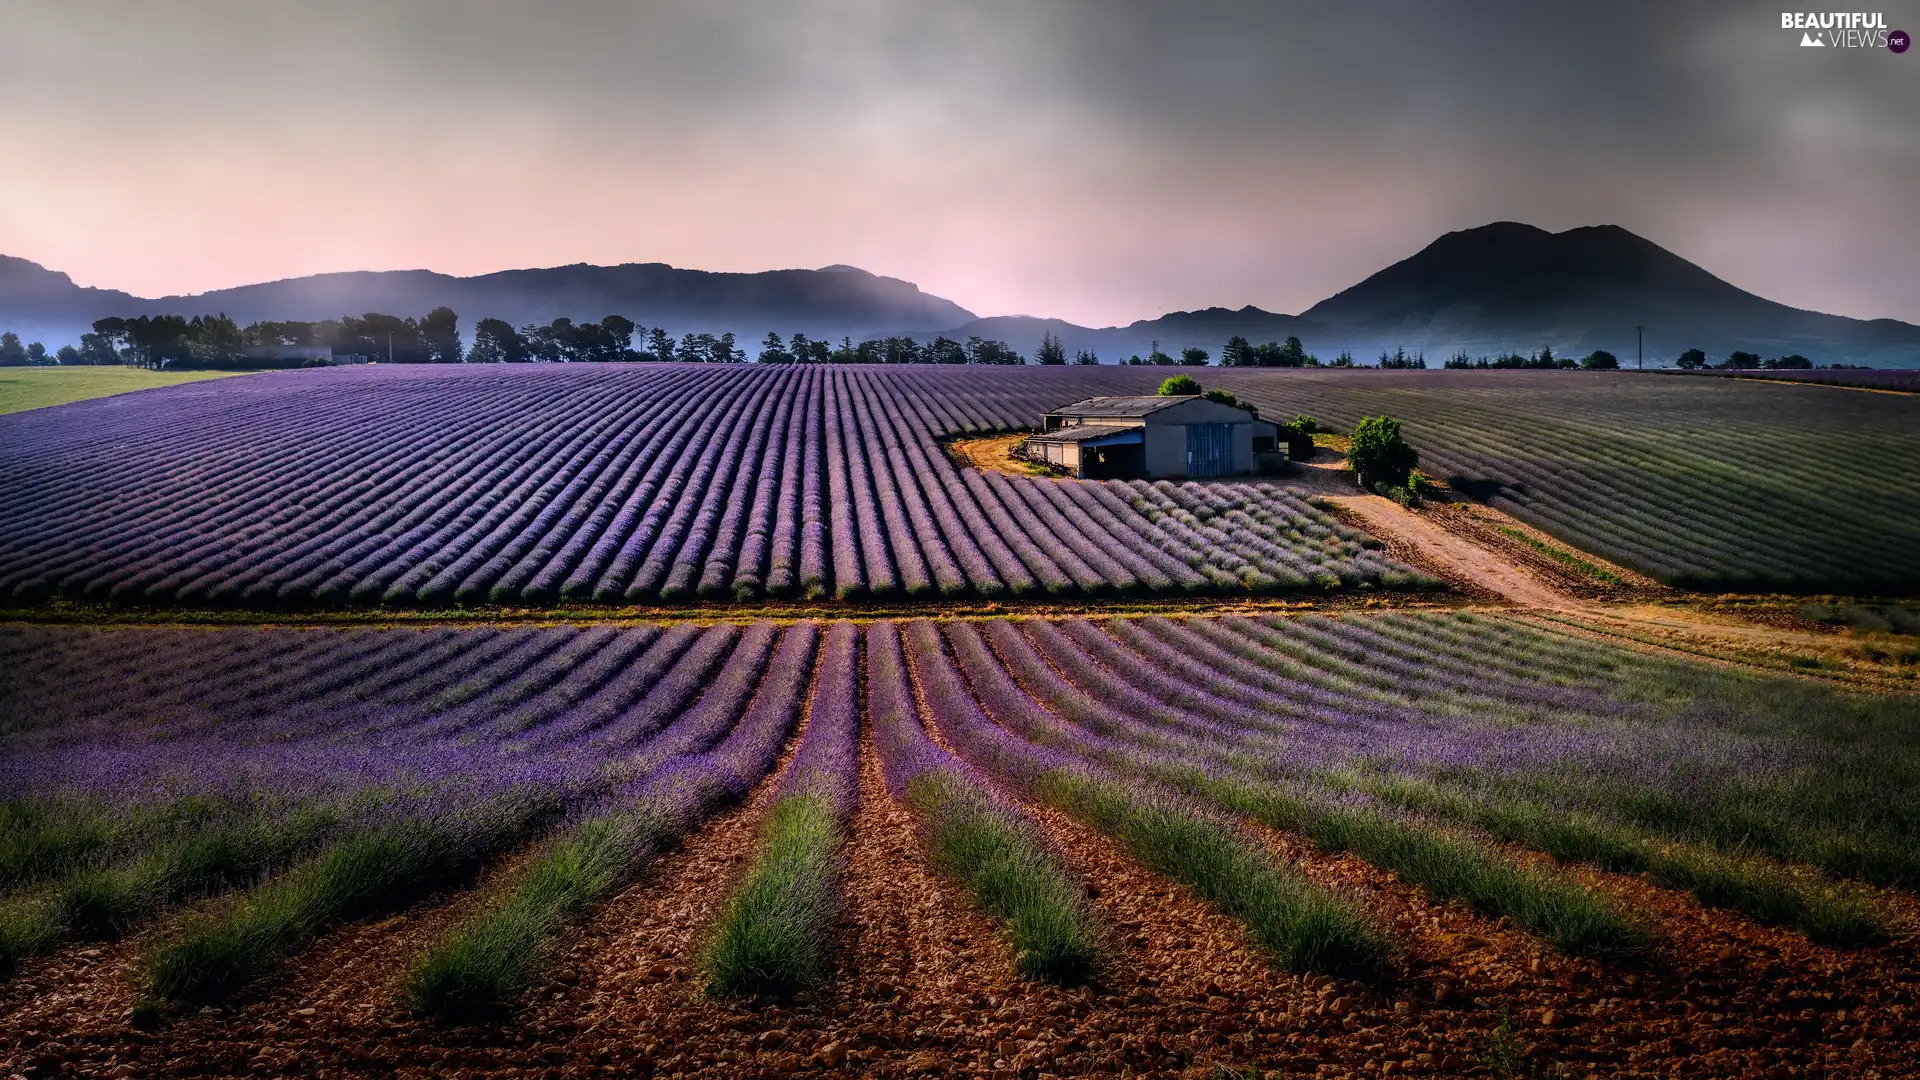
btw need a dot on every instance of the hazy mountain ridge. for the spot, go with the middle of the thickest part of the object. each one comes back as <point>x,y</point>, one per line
<point>834,301</point>
<point>1499,287</point>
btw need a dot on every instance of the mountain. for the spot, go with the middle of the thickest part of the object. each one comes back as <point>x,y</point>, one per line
<point>1499,287</point>
<point>41,303</point>
<point>832,302</point>
<point>1508,285</point>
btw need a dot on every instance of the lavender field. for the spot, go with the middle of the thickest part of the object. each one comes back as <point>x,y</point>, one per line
<point>148,767</point>
<point>1707,483</point>
<point>543,484</point>
<point>627,484</point>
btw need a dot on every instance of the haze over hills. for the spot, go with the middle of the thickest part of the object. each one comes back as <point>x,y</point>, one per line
<point>1499,287</point>
<point>832,301</point>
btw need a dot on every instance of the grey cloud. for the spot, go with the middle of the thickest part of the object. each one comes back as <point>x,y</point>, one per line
<point>1694,123</point>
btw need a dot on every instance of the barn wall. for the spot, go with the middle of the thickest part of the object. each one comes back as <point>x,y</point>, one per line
<point>1166,450</point>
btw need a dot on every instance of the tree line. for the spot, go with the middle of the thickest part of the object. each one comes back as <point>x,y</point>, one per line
<point>216,341</point>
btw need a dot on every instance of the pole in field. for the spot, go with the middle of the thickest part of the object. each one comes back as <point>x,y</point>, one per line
<point>1641,333</point>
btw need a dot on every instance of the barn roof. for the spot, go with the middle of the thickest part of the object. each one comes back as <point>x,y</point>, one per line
<point>1086,433</point>
<point>1130,408</point>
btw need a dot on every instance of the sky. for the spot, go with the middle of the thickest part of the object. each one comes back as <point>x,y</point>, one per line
<point>1099,161</point>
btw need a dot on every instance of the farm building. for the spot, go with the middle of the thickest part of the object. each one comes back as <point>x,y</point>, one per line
<point>1159,437</point>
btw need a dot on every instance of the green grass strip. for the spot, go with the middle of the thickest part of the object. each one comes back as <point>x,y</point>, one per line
<point>99,904</point>
<point>773,932</point>
<point>487,962</point>
<point>1565,558</point>
<point>385,869</point>
<point>1301,925</point>
<point>1760,889</point>
<point>1012,875</point>
<point>1569,916</point>
<point>39,842</point>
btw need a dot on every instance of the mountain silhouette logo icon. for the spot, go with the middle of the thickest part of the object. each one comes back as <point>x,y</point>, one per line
<point>1808,41</point>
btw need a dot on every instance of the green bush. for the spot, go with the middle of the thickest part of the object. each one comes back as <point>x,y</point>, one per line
<point>1180,386</point>
<point>1378,454</point>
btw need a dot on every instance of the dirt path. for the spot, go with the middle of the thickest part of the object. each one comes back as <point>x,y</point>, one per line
<point>1422,540</point>
<point>1456,556</point>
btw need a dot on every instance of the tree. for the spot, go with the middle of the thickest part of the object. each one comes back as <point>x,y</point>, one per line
<point>152,341</point>
<point>1600,360</point>
<point>1299,435</point>
<point>1345,359</point>
<point>696,348</point>
<point>900,349</point>
<point>1227,398</point>
<point>1180,386</point>
<point>1051,352</point>
<point>981,351</point>
<point>1086,357</point>
<point>97,349</point>
<point>1292,354</point>
<point>495,341</point>
<point>1158,358</point>
<point>945,350</point>
<point>659,344</point>
<point>543,342</point>
<point>1379,456</point>
<point>36,354</point>
<point>67,356</point>
<point>774,351</point>
<point>12,353</point>
<point>1740,360</point>
<point>1194,357</point>
<point>440,336</point>
<point>619,337</point>
<point>1237,352</point>
<point>214,339</point>
<point>1691,360</point>
<point>1791,362</point>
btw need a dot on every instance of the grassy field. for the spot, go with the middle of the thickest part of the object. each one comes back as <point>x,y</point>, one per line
<point>36,388</point>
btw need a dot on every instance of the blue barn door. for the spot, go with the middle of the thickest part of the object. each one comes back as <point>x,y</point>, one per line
<point>1209,449</point>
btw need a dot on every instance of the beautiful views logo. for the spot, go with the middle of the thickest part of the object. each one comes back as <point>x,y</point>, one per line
<point>1844,30</point>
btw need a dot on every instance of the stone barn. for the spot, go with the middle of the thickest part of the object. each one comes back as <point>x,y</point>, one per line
<point>1157,438</point>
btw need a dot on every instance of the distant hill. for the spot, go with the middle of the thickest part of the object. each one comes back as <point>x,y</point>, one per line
<point>1508,285</point>
<point>1499,287</point>
<point>832,302</point>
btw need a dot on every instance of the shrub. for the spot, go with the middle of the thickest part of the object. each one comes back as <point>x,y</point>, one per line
<point>1180,386</point>
<point>1378,454</point>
